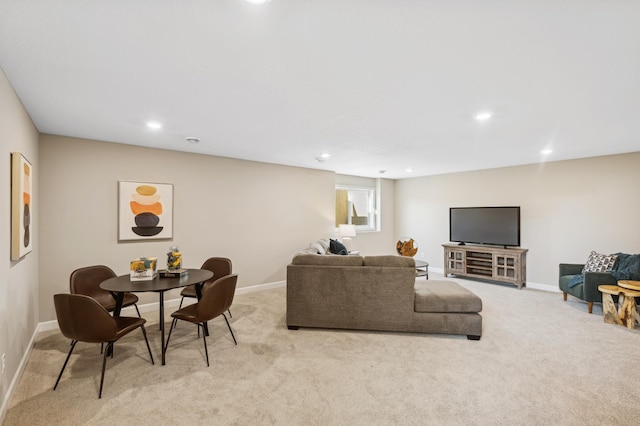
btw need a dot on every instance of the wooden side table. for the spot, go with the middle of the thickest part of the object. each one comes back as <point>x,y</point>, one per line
<point>631,285</point>
<point>626,313</point>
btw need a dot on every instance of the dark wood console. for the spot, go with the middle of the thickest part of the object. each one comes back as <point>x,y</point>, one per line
<point>508,265</point>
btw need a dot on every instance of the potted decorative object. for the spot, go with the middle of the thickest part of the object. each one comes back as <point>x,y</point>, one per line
<point>174,265</point>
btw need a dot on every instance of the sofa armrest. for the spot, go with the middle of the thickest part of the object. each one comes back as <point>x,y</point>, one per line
<point>591,282</point>
<point>570,268</point>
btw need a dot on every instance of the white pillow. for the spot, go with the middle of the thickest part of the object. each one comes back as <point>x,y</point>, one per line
<point>318,247</point>
<point>324,242</point>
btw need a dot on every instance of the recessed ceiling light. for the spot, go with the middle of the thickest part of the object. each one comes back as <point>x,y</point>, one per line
<point>546,151</point>
<point>257,1</point>
<point>154,125</point>
<point>192,140</point>
<point>325,155</point>
<point>409,170</point>
<point>483,116</point>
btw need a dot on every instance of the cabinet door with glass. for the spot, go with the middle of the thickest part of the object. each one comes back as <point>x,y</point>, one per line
<point>454,261</point>
<point>506,267</point>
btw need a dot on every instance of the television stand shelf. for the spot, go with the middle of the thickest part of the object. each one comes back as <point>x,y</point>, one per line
<point>508,265</point>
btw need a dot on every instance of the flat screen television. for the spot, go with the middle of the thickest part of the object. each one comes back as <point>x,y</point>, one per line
<point>498,226</point>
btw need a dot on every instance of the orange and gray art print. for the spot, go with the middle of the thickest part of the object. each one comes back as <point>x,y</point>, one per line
<point>21,205</point>
<point>145,210</point>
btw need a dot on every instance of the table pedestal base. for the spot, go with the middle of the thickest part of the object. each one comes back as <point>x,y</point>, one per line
<point>626,313</point>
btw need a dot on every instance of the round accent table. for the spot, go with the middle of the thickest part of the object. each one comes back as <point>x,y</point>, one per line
<point>626,313</point>
<point>629,284</point>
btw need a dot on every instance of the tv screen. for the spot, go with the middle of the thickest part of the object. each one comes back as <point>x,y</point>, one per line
<point>485,225</point>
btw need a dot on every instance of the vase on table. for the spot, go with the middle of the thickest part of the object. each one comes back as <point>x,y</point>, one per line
<point>174,259</point>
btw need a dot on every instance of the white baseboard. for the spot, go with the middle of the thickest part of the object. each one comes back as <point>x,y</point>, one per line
<point>543,287</point>
<point>18,375</point>
<point>147,307</point>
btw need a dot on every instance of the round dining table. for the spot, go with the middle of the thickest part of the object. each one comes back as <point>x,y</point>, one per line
<point>122,284</point>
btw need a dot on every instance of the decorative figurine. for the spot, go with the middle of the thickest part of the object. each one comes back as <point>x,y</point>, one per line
<point>174,259</point>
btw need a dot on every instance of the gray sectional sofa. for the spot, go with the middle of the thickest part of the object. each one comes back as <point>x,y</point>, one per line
<point>376,293</point>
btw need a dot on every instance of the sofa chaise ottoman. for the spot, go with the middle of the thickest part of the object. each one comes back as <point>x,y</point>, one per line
<point>376,293</point>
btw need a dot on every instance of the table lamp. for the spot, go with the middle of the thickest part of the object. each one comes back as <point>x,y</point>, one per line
<point>347,232</point>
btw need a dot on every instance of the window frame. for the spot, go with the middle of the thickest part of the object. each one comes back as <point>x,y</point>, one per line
<point>372,217</point>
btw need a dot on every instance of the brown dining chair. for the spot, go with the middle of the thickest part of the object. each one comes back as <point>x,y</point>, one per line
<point>82,319</point>
<point>220,266</point>
<point>216,299</point>
<point>87,281</point>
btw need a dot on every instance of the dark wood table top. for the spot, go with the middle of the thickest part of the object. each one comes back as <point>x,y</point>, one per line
<point>124,283</point>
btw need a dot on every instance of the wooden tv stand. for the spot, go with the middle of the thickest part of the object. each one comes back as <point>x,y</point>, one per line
<point>508,265</point>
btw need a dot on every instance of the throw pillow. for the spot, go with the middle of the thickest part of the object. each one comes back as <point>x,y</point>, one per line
<point>628,267</point>
<point>324,242</point>
<point>318,247</point>
<point>598,262</point>
<point>336,247</point>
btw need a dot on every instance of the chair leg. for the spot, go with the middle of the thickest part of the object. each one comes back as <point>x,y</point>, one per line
<point>73,345</point>
<point>144,332</point>
<point>229,325</point>
<point>137,310</point>
<point>590,307</point>
<point>229,310</point>
<point>564,296</point>
<point>166,345</point>
<point>104,364</point>
<point>204,339</point>
<point>174,324</point>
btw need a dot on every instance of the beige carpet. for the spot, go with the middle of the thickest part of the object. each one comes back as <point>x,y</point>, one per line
<point>541,361</point>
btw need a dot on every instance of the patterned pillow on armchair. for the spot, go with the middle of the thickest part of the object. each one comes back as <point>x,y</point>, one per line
<point>598,262</point>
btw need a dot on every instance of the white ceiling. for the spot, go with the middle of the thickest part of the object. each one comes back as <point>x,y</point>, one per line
<point>378,84</point>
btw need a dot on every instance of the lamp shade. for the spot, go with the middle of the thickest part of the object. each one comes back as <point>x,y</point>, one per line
<point>347,230</point>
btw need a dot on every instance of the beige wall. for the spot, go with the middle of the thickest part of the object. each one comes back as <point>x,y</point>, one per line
<point>568,209</point>
<point>19,283</point>
<point>256,214</point>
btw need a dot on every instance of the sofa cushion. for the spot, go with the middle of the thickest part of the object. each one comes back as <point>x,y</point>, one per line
<point>444,296</point>
<point>599,262</point>
<point>315,259</point>
<point>389,261</point>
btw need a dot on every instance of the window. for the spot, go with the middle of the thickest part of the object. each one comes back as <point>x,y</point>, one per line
<point>356,205</point>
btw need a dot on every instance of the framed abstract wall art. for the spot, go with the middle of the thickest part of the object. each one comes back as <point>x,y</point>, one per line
<point>21,205</point>
<point>145,211</point>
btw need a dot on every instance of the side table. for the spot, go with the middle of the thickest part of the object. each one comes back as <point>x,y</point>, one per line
<point>626,313</point>
<point>629,284</point>
<point>422,272</point>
